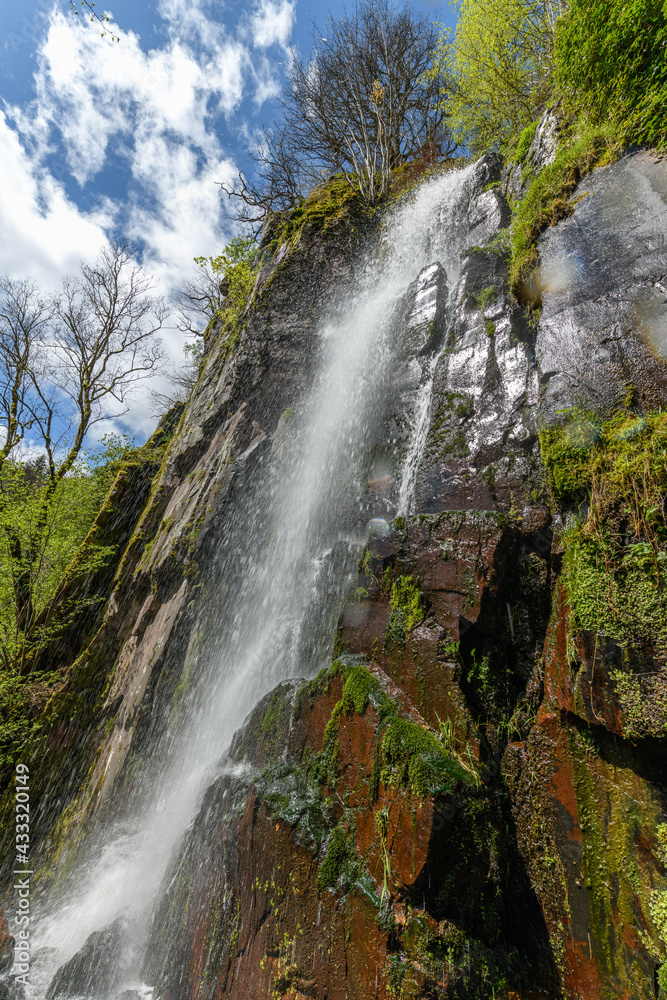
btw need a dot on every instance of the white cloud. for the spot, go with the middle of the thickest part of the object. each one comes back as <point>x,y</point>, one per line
<point>42,233</point>
<point>162,113</point>
<point>272,23</point>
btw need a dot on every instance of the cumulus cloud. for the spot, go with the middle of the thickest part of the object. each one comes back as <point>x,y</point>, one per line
<point>272,23</point>
<point>154,121</point>
<point>42,232</point>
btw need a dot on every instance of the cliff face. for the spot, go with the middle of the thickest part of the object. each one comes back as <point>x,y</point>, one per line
<point>471,800</point>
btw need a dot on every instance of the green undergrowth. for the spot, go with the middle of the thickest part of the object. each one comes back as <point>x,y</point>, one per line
<point>611,66</point>
<point>548,197</point>
<point>615,564</point>
<point>33,700</point>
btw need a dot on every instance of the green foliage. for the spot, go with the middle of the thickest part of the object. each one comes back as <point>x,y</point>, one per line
<point>42,535</point>
<point>41,530</point>
<point>236,270</point>
<point>611,65</point>
<point>21,704</point>
<point>501,61</point>
<point>548,197</point>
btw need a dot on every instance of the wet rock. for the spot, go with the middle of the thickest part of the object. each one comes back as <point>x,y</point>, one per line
<point>544,146</point>
<point>481,451</point>
<point>6,943</point>
<point>488,214</point>
<point>603,324</point>
<point>96,969</point>
<point>425,324</point>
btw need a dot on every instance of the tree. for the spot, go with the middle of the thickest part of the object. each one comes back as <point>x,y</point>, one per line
<point>220,290</point>
<point>65,364</point>
<point>500,63</point>
<point>367,99</point>
<point>102,20</point>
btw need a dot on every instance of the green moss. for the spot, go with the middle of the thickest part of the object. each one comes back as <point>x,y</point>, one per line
<point>275,720</point>
<point>482,300</point>
<point>446,436</point>
<point>406,612</point>
<point>616,558</point>
<point>338,868</point>
<point>396,976</point>
<point>548,197</point>
<point>325,205</point>
<point>661,834</point>
<point>413,757</point>
<point>490,328</point>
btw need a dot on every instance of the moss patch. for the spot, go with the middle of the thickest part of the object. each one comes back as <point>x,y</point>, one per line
<point>615,565</point>
<point>406,612</point>
<point>338,867</point>
<point>548,197</point>
<point>324,206</point>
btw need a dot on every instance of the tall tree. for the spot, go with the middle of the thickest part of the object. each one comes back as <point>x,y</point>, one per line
<point>366,100</point>
<point>500,64</point>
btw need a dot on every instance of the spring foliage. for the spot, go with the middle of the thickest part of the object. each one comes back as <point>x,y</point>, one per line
<point>235,274</point>
<point>501,62</point>
<point>611,65</point>
<point>38,541</point>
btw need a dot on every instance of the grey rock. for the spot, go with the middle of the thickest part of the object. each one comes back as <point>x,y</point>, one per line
<point>544,146</point>
<point>425,325</point>
<point>541,153</point>
<point>96,969</point>
<point>603,278</point>
<point>480,450</point>
<point>488,214</point>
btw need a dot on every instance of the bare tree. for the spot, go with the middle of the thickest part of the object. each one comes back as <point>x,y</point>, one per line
<point>105,342</point>
<point>24,324</point>
<point>369,97</point>
<point>64,365</point>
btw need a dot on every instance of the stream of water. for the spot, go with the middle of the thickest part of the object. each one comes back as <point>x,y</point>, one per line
<point>301,544</point>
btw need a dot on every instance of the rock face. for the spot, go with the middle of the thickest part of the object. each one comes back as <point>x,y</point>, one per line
<point>6,943</point>
<point>604,292</point>
<point>457,807</point>
<point>93,970</point>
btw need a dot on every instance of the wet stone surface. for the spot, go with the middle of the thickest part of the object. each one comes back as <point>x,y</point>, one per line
<point>603,274</point>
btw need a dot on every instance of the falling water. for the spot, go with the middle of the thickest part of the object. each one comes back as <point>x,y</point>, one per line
<point>287,563</point>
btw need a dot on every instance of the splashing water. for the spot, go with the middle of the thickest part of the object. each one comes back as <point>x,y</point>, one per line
<point>287,565</point>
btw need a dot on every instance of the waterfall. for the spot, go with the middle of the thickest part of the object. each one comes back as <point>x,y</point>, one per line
<point>298,549</point>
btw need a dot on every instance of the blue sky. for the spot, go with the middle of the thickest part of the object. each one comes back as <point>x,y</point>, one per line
<point>100,138</point>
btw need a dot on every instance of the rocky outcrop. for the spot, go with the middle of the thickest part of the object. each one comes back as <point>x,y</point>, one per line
<point>603,275</point>
<point>457,807</point>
